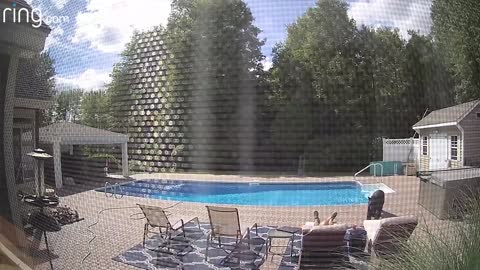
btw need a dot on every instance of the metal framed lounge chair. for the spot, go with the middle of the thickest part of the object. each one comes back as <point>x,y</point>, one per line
<point>157,218</point>
<point>387,236</point>
<point>375,205</point>
<point>225,223</point>
<point>324,247</point>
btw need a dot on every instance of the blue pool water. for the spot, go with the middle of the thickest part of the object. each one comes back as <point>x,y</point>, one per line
<point>301,194</point>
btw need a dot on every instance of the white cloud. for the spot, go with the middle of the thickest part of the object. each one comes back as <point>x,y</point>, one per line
<point>108,25</point>
<point>52,18</point>
<point>60,4</point>
<point>402,14</point>
<point>54,36</point>
<point>91,79</point>
<point>267,63</point>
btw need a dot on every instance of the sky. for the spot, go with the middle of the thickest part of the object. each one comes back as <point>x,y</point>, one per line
<point>87,41</point>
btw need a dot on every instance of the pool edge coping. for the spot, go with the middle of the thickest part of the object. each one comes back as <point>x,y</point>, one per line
<point>239,181</point>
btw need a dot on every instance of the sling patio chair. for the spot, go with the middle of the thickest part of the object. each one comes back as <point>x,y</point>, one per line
<point>323,247</point>
<point>225,223</point>
<point>168,232</point>
<point>387,236</point>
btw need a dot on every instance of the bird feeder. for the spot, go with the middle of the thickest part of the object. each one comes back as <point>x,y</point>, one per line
<point>40,156</point>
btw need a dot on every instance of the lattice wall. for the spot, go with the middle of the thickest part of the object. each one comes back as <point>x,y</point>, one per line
<point>405,150</point>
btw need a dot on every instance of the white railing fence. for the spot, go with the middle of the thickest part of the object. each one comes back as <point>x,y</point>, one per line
<point>404,150</point>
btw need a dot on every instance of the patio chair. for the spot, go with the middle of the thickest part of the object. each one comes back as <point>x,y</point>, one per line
<point>157,218</point>
<point>387,236</point>
<point>375,205</point>
<point>225,223</point>
<point>323,247</point>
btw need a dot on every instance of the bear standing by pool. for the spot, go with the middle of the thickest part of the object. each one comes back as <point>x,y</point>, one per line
<point>375,204</point>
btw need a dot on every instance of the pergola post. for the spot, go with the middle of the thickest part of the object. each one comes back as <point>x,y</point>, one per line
<point>57,164</point>
<point>125,159</point>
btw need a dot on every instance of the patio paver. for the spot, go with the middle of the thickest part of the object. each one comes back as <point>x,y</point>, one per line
<point>117,230</point>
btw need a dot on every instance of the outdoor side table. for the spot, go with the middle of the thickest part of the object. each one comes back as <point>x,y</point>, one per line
<point>280,233</point>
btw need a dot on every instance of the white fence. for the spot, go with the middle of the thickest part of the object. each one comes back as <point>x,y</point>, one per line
<point>405,150</point>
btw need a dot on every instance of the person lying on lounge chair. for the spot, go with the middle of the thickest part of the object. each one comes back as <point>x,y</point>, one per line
<point>316,220</point>
<point>323,244</point>
<point>328,221</point>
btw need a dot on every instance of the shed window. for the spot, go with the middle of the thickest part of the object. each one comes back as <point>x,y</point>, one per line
<point>454,147</point>
<point>425,146</point>
<point>478,114</point>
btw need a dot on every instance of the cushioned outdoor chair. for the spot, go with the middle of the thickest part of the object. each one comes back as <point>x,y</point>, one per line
<point>324,247</point>
<point>225,223</point>
<point>156,218</point>
<point>387,236</point>
<point>375,205</point>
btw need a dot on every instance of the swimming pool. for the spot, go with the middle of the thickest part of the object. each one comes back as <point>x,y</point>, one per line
<point>267,194</point>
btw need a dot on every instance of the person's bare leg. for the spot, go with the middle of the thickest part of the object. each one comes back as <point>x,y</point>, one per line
<point>316,219</point>
<point>330,220</point>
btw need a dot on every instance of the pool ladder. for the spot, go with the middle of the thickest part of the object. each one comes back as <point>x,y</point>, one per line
<point>113,188</point>
<point>374,171</point>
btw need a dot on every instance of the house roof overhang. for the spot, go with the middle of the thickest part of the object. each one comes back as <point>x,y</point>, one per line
<point>448,124</point>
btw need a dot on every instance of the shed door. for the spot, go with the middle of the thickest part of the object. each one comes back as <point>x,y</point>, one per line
<point>438,151</point>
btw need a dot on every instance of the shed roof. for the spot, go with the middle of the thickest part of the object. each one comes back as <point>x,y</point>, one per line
<point>70,133</point>
<point>446,116</point>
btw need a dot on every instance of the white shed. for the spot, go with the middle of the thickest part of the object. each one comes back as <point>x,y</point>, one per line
<point>450,137</point>
<point>59,134</point>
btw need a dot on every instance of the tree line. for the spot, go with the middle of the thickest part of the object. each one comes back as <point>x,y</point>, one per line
<point>87,107</point>
<point>335,87</point>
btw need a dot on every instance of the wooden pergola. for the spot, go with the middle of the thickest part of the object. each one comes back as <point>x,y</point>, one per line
<point>59,134</point>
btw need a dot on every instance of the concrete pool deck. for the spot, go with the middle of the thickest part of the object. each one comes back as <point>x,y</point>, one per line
<point>116,231</point>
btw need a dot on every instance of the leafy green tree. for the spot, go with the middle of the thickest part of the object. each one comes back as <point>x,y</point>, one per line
<point>95,109</point>
<point>45,72</point>
<point>44,81</point>
<point>313,78</point>
<point>221,47</point>
<point>380,81</point>
<point>322,41</point>
<point>67,105</point>
<point>331,79</point>
<point>203,85</point>
<point>430,85</point>
<point>456,31</point>
<point>118,91</point>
